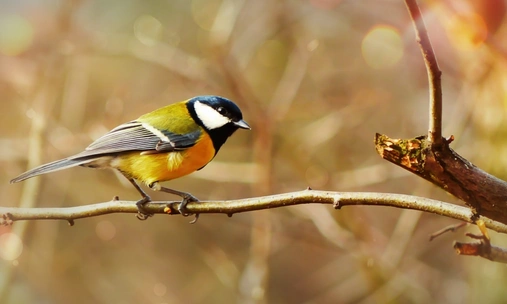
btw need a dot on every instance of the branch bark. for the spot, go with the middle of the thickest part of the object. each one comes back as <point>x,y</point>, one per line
<point>434,73</point>
<point>482,249</point>
<point>337,199</point>
<point>431,157</point>
<point>439,164</point>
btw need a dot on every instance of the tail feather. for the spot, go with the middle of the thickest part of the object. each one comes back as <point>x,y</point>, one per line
<point>52,167</point>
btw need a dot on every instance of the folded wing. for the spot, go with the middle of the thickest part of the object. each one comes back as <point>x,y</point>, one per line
<point>128,137</point>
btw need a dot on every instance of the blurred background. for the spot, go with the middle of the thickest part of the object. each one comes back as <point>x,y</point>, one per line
<point>316,79</point>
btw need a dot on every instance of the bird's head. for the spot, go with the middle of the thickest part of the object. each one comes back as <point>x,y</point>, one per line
<point>214,112</point>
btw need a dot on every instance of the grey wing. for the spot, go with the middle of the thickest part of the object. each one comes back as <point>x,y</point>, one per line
<point>132,136</point>
<point>138,136</point>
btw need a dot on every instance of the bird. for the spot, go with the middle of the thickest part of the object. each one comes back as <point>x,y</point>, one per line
<point>165,144</point>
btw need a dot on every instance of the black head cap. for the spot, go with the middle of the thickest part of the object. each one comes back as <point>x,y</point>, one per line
<point>219,116</point>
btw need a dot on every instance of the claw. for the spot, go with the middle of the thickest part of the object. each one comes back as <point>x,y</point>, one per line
<point>182,208</point>
<point>195,219</point>
<point>186,198</point>
<point>142,213</point>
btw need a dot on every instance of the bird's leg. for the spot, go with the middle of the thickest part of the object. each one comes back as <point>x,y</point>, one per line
<point>142,213</point>
<point>186,198</point>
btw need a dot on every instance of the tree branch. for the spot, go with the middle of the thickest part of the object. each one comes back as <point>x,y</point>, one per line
<point>482,249</point>
<point>434,73</point>
<point>439,164</point>
<point>431,157</point>
<point>337,199</point>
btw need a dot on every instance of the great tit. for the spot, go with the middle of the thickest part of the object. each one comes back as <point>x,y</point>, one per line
<point>162,145</point>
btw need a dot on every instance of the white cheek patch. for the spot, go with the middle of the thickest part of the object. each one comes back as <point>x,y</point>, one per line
<point>209,116</point>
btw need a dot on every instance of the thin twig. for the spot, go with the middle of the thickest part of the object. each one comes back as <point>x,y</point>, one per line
<point>492,253</point>
<point>483,248</point>
<point>434,73</point>
<point>451,228</point>
<point>337,199</point>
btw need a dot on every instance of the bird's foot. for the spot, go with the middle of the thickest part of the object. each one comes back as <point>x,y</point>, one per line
<point>186,198</point>
<point>182,208</point>
<point>142,213</point>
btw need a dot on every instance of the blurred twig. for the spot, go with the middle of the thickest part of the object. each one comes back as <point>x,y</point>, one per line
<point>431,157</point>
<point>450,228</point>
<point>44,97</point>
<point>434,73</point>
<point>253,282</point>
<point>31,188</point>
<point>483,248</point>
<point>291,80</point>
<point>337,199</point>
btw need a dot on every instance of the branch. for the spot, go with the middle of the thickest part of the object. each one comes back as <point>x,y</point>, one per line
<point>439,164</point>
<point>482,249</point>
<point>434,73</point>
<point>337,199</point>
<point>431,157</point>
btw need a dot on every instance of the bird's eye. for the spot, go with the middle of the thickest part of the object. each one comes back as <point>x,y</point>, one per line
<point>222,110</point>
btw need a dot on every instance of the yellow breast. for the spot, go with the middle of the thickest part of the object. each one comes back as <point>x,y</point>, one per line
<point>150,168</point>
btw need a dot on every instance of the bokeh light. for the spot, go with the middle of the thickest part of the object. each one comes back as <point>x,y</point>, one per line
<point>312,45</point>
<point>467,31</point>
<point>11,246</point>
<point>148,29</point>
<point>160,289</point>
<point>204,11</point>
<point>316,79</point>
<point>16,35</point>
<point>105,230</point>
<point>382,47</point>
